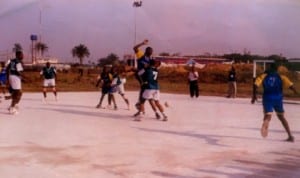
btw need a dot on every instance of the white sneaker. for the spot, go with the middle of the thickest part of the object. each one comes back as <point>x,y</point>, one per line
<point>13,111</point>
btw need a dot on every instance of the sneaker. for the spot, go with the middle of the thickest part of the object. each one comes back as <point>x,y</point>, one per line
<point>99,106</point>
<point>165,118</point>
<point>264,129</point>
<point>137,114</point>
<point>137,119</point>
<point>290,139</point>
<point>157,116</point>
<point>7,97</point>
<point>115,108</point>
<point>138,106</point>
<point>13,110</point>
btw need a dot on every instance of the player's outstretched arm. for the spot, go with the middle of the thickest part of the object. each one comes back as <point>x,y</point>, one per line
<point>136,47</point>
<point>254,97</point>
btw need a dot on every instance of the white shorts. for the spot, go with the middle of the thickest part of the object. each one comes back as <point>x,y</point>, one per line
<point>121,88</point>
<point>15,82</point>
<point>49,83</point>
<point>151,94</point>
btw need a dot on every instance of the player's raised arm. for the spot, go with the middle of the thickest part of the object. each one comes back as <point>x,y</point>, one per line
<point>136,47</point>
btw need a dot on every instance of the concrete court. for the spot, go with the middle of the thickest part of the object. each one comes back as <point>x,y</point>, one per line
<point>206,137</point>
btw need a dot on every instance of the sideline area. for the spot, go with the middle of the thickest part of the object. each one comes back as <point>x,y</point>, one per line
<point>205,137</point>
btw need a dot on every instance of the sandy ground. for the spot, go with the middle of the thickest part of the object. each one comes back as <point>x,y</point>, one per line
<point>205,137</point>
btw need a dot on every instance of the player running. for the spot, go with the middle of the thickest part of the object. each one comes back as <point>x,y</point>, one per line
<point>273,84</point>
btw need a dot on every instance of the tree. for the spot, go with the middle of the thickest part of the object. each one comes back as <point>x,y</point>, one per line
<point>41,48</point>
<point>164,54</point>
<point>111,59</point>
<point>17,47</point>
<point>80,51</point>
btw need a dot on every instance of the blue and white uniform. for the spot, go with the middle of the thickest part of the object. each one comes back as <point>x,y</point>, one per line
<point>49,74</point>
<point>151,84</point>
<point>15,68</point>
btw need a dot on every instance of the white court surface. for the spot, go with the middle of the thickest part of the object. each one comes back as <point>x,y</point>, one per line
<point>206,137</point>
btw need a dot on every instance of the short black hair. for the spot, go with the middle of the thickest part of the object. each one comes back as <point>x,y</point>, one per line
<point>18,53</point>
<point>273,67</point>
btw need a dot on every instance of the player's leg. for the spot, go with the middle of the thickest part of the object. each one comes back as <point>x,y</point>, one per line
<point>16,97</point>
<point>141,110</point>
<point>265,126</point>
<point>54,88</point>
<point>54,92</point>
<point>125,99</point>
<point>234,89</point>
<point>191,89</point>
<point>268,110</point>
<point>286,126</point>
<point>280,114</point>
<point>152,104</point>
<point>196,89</point>
<point>156,98</point>
<point>229,92</point>
<point>99,105</point>
<point>45,92</point>
<point>112,98</point>
<point>161,109</point>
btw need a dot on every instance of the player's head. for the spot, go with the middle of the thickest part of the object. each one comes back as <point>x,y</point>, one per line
<point>272,67</point>
<point>148,51</point>
<point>19,55</point>
<point>48,64</point>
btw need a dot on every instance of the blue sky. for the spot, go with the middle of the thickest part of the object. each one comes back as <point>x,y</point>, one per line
<point>189,27</point>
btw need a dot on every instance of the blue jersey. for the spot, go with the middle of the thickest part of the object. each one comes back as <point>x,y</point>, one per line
<point>48,73</point>
<point>272,85</point>
<point>150,78</point>
<point>15,67</point>
<point>3,76</point>
<point>143,62</point>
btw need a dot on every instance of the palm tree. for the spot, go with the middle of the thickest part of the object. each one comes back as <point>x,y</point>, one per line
<point>41,48</point>
<point>80,51</point>
<point>17,47</point>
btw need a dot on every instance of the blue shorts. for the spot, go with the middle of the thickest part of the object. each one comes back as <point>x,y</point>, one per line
<point>269,105</point>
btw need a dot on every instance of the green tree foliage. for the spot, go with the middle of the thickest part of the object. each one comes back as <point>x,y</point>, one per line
<point>17,47</point>
<point>80,51</point>
<point>111,59</point>
<point>164,54</point>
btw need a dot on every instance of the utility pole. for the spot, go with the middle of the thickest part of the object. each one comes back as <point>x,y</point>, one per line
<point>136,4</point>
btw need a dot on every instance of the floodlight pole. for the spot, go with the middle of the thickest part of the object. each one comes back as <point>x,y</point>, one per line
<point>136,4</point>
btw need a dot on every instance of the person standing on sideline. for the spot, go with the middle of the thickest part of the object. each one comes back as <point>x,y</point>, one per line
<point>193,82</point>
<point>14,71</point>
<point>232,88</point>
<point>49,74</point>
<point>272,98</point>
